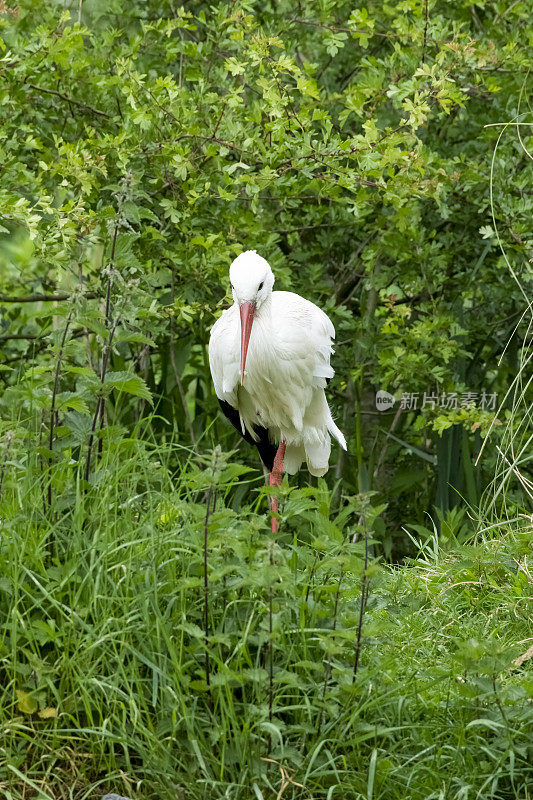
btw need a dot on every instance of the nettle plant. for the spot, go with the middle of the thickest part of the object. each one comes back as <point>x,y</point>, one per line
<point>144,146</point>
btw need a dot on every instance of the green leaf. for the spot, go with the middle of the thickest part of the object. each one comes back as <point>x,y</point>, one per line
<point>25,702</point>
<point>73,401</point>
<point>413,449</point>
<point>128,383</point>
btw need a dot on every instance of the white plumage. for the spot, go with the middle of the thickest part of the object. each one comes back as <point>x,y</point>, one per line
<point>285,365</point>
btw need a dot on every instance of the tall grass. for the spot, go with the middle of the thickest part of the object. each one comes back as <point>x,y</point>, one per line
<point>511,486</point>
<point>104,648</point>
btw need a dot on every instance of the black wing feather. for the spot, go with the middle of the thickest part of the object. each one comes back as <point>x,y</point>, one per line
<point>267,450</point>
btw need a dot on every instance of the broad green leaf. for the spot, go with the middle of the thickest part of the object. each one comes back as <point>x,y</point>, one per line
<point>128,383</point>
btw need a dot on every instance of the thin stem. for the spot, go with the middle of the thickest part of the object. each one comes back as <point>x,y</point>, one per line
<point>364,596</point>
<point>100,426</point>
<point>270,646</point>
<point>177,377</point>
<point>498,701</point>
<point>143,360</point>
<point>108,325</point>
<point>328,670</point>
<point>311,576</point>
<point>4,460</point>
<point>111,264</point>
<point>206,582</point>
<point>53,405</point>
<point>99,402</point>
<point>41,467</point>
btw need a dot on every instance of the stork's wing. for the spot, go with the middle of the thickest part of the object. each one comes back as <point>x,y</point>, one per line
<point>225,369</point>
<point>224,352</point>
<point>307,333</point>
<point>266,449</point>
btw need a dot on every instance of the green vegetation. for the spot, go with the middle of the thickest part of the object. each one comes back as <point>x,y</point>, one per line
<point>104,656</point>
<point>154,639</point>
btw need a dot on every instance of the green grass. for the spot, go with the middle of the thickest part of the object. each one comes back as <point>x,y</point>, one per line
<point>102,655</point>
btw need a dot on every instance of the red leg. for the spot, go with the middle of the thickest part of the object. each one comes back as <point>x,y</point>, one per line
<point>275,480</point>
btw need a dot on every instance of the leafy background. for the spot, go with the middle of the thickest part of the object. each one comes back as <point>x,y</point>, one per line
<point>379,156</point>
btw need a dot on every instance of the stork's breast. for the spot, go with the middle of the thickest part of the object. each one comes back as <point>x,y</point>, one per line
<point>275,398</point>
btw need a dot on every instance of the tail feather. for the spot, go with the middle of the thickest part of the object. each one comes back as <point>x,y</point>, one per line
<point>318,444</point>
<point>294,455</point>
<point>338,434</point>
<point>317,452</point>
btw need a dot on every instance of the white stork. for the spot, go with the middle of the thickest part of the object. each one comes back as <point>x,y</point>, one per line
<point>269,358</point>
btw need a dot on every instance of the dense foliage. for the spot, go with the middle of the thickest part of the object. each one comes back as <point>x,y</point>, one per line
<point>154,639</point>
<point>145,145</point>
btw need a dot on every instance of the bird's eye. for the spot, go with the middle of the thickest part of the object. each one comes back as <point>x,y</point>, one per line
<point>260,286</point>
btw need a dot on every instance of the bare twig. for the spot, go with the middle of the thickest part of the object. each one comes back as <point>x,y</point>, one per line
<point>43,298</point>
<point>219,120</point>
<point>23,337</point>
<point>426,14</point>
<point>345,30</point>
<point>69,100</point>
<point>383,453</point>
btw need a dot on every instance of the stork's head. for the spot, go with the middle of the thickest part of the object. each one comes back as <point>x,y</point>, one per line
<point>251,282</point>
<point>251,278</point>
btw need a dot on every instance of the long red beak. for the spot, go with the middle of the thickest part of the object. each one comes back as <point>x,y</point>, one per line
<point>247,318</point>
